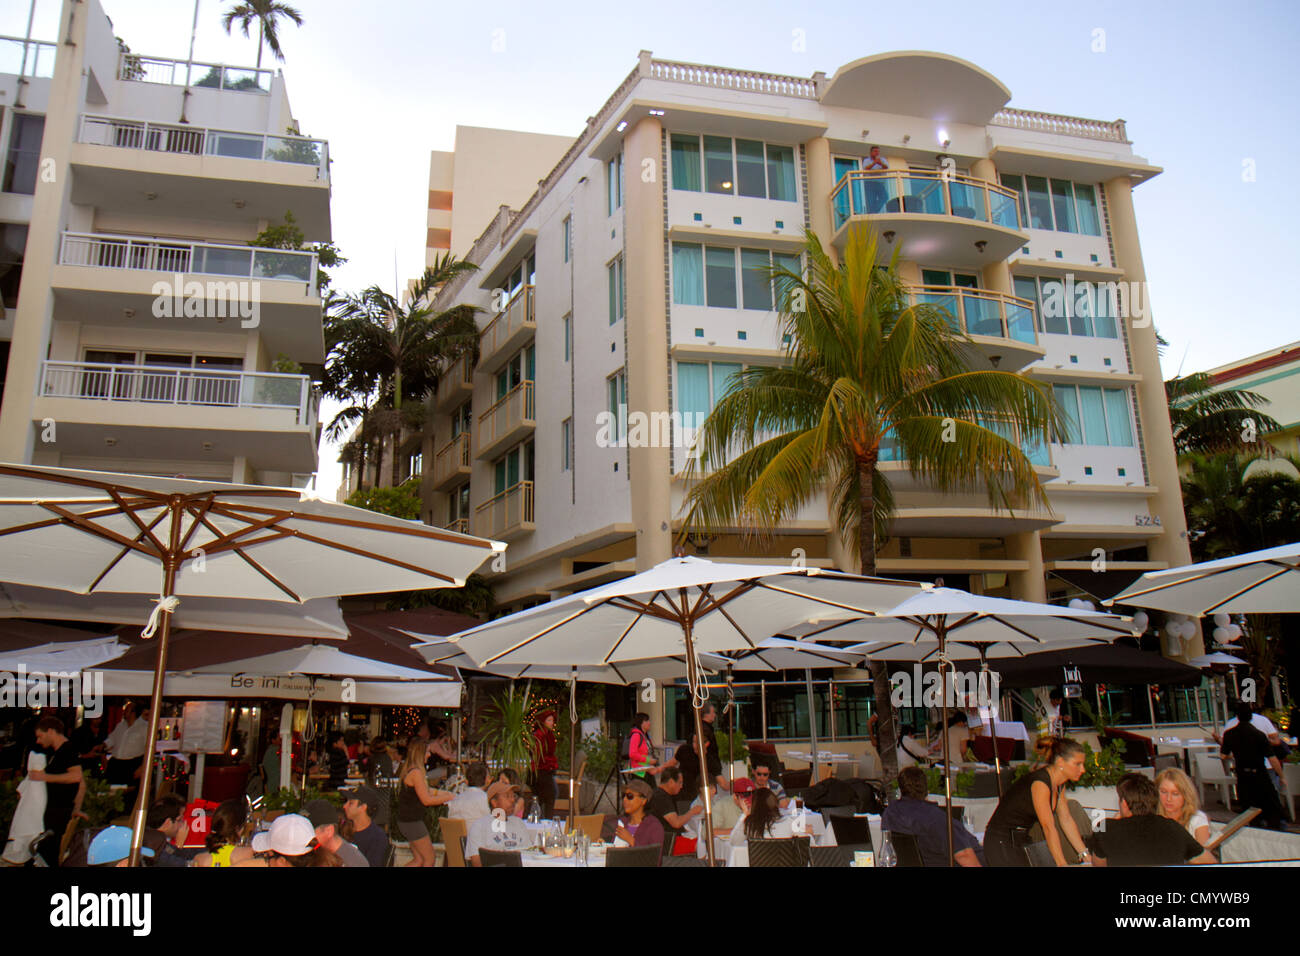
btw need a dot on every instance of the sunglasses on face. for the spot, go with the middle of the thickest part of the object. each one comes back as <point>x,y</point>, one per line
<point>630,795</point>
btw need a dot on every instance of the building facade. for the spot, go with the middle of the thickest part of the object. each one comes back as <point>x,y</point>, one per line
<point>144,332</point>
<point>631,282</point>
<point>1275,375</point>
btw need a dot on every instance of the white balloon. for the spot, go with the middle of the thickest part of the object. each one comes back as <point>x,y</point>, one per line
<point>1140,620</point>
<point>1188,630</point>
<point>1234,632</point>
<point>1222,620</point>
<point>1078,604</point>
<point>1220,634</point>
<point>1173,628</point>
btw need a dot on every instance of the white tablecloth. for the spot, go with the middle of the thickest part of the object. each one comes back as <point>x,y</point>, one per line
<point>822,835</point>
<point>531,858</point>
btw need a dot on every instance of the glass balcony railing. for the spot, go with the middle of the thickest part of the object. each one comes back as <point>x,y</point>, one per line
<point>1036,452</point>
<point>195,258</point>
<point>922,192</point>
<point>34,58</point>
<point>981,312</point>
<point>197,141</point>
<point>216,76</point>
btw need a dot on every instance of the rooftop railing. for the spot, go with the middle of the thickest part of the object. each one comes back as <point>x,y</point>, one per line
<point>197,141</point>
<point>748,81</point>
<point>1114,131</point>
<point>196,258</point>
<point>34,58</point>
<point>217,76</point>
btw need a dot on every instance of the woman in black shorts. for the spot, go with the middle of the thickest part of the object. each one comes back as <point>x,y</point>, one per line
<point>412,798</point>
<point>1036,798</point>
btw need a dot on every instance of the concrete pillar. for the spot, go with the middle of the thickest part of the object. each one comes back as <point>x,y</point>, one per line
<point>1153,408</point>
<point>35,313</point>
<point>1030,584</point>
<point>820,184</point>
<point>840,549</point>
<point>647,337</point>
<point>909,272</point>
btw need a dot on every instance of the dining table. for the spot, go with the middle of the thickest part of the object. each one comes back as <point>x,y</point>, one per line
<point>534,857</point>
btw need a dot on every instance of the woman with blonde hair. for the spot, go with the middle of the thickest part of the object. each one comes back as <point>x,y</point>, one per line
<point>414,795</point>
<point>1179,802</point>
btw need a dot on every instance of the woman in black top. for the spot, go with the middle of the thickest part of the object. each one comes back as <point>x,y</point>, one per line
<point>1036,798</point>
<point>416,794</point>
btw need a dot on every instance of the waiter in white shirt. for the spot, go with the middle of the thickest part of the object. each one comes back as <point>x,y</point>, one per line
<point>126,746</point>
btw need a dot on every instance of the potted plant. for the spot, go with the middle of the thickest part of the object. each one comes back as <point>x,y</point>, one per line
<point>507,730</point>
<point>732,751</point>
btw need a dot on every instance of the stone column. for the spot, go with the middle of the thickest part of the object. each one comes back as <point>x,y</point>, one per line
<point>1029,584</point>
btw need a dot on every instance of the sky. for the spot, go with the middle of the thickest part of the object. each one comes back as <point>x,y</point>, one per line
<point>1208,90</point>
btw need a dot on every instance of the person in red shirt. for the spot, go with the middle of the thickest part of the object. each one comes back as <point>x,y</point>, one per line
<point>544,762</point>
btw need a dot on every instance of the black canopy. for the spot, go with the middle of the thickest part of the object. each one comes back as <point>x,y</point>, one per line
<point>1118,663</point>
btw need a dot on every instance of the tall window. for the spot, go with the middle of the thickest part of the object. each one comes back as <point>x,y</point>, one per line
<point>566,235</point>
<point>740,167</point>
<point>522,367</point>
<point>707,275</point>
<point>1080,307</point>
<point>701,384</point>
<point>458,504</point>
<point>566,444</point>
<point>567,322</point>
<point>686,162</point>
<point>615,290</point>
<point>462,419</point>
<point>24,155</point>
<point>720,277</point>
<point>415,465</point>
<point>514,466</point>
<point>1056,204</point>
<point>614,184</point>
<point>13,245</point>
<point>616,389</point>
<point>1095,416</point>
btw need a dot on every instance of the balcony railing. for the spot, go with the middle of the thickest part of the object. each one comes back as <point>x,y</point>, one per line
<point>508,513</point>
<point>981,312</point>
<point>102,381</point>
<point>511,413</point>
<point>452,460</point>
<point>1065,125</point>
<point>517,314</point>
<point>197,141</point>
<point>923,192</point>
<point>460,526</point>
<point>1037,453</point>
<point>456,383</point>
<point>34,58</point>
<point>195,258</point>
<point>217,76</point>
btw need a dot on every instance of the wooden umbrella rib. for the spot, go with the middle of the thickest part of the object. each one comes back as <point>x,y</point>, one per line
<point>129,511</point>
<point>198,516</point>
<point>361,552</point>
<point>435,534</point>
<point>820,600</point>
<point>1246,590</point>
<point>19,471</point>
<point>120,555</point>
<point>542,633</point>
<point>739,630</point>
<point>251,563</point>
<point>50,522</point>
<point>626,631</point>
<point>71,517</point>
<point>276,534</point>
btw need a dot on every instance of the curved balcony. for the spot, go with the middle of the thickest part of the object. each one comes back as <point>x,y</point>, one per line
<point>1000,325</point>
<point>452,463</point>
<point>937,216</point>
<point>507,332</point>
<point>510,419</point>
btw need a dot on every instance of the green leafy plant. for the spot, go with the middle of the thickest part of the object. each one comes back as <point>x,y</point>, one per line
<point>731,746</point>
<point>283,799</point>
<point>1099,720</point>
<point>400,502</point>
<point>1102,768</point>
<point>601,756</point>
<point>101,805</point>
<point>962,781</point>
<point>507,731</point>
<point>285,365</point>
<point>287,235</point>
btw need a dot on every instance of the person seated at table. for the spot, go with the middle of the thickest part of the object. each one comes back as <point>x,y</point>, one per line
<point>166,831</point>
<point>512,776</point>
<point>1141,836</point>
<point>290,842</point>
<point>1179,802</point>
<point>336,750</point>
<point>636,825</point>
<point>958,734</point>
<point>471,803</point>
<point>764,820</point>
<point>413,796</point>
<point>727,812</point>
<point>916,816</point>
<point>225,834</point>
<point>502,831</point>
<point>1036,798</point>
<point>328,821</point>
<point>663,801</point>
<point>361,806</point>
<point>763,779</point>
<point>911,752</point>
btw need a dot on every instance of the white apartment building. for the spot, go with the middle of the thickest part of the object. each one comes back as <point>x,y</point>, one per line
<point>631,277</point>
<point>142,331</point>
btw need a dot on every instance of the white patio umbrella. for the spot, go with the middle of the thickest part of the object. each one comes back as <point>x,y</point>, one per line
<point>1259,582</point>
<point>93,532</point>
<point>1218,657</point>
<point>63,657</point>
<point>940,617</point>
<point>683,605</point>
<point>316,618</point>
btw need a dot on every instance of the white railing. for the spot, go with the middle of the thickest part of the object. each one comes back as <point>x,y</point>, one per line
<point>197,141</point>
<point>195,258</point>
<point>745,80</point>
<point>217,76</point>
<point>103,381</point>
<point>34,58</point>
<point>1114,132</point>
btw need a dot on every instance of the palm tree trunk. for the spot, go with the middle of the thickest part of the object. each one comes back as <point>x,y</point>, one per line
<point>396,469</point>
<point>261,38</point>
<point>879,672</point>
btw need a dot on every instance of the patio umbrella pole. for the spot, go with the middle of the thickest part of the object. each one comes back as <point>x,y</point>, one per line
<point>573,731</point>
<point>731,731</point>
<point>693,678</point>
<point>170,563</point>
<point>941,631</point>
<point>997,762</point>
<point>812,725</point>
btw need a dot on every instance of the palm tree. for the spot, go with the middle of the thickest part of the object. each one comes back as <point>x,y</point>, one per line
<point>864,372</point>
<point>382,354</point>
<point>265,13</point>
<point>1207,420</point>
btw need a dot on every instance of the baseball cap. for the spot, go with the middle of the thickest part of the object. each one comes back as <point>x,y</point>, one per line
<point>367,795</point>
<point>743,785</point>
<point>637,785</point>
<point>290,835</point>
<point>111,845</point>
<point>500,787</point>
<point>321,813</point>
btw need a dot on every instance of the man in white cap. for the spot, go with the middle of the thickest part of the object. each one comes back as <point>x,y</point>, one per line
<point>290,841</point>
<point>497,831</point>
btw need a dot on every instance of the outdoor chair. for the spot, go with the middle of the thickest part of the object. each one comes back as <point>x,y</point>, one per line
<point>683,861</point>
<point>1039,854</point>
<point>958,813</point>
<point>453,839</point>
<point>1139,751</point>
<point>1209,770</point>
<point>632,856</point>
<point>906,848</point>
<point>589,824</point>
<point>500,858</point>
<point>796,780</point>
<point>787,851</point>
<point>849,830</point>
<point>832,855</point>
<point>982,746</point>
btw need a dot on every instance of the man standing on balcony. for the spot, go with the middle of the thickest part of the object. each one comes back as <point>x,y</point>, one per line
<point>873,189</point>
<point>875,160</point>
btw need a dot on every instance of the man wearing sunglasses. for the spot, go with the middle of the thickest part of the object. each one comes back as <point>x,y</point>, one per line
<point>763,778</point>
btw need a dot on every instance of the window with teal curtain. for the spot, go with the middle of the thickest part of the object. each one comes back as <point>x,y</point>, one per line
<point>1040,203</point>
<point>1052,305</point>
<point>1081,309</point>
<point>1117,418</point>
<point>780,173</point>
<point>1104,310</point>
<point>1085,201</point>
<point>751,177</point>
<point>530,361</point>
<point>688,274</point>
<point>1010,181</point>
<point>686,162</point>
<point>723,373</point>
<point>693,392</point>
<point>616,290</point>
<point>1063,205</point>
<point>720,275</point>
<point>790,262</point>
<point>1093,415</point>
<point>499,477</point>
<point>755,281</point>
<point>512,468</point>
<point>1026,287</point>
<point>889,449</point>
<point>1068,399</point>
<point>718,173</point>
